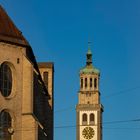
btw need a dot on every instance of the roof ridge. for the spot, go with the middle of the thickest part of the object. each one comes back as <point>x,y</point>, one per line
<point>8,30</point>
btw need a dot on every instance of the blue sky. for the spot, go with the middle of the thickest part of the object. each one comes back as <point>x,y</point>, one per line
<point>58,31</point>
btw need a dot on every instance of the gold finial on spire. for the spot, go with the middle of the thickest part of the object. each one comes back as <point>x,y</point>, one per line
<point>89,48</point>
<point>89,42</point>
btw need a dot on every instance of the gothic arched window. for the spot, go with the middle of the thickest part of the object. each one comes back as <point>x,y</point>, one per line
<point>84,119</point>
<point>90,82</point>
<point>95,82</point>
<point>5,80</point>
<point>45,77</point>
<point>81,82</point>
<point>5,125</point>
<point>92,119</point>
<point>85,82</point>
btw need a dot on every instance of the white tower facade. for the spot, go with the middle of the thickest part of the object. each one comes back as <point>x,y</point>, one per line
<point>89,110</point>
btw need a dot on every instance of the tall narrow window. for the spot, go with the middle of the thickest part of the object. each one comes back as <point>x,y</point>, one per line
<point>84,119</point>
<point>95,82</point>
<point>45,77</point>
<point>5,125</point>
<point>91,118</point>
<point>90,82</point>
<point>81,82</point>
<point>5,80</point>
<point>85,82</point>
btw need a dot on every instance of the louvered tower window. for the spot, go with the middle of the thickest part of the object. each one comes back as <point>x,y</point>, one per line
<point>84,119</point>
<point>92,118</point>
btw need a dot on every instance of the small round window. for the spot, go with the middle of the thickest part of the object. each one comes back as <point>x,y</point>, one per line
<point>5,80</point>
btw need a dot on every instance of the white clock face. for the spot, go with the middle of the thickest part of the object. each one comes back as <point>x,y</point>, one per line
<point>88,133</point>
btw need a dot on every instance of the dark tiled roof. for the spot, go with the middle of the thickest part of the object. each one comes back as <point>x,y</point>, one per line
<point>45,65</point>
<point>8,31</point>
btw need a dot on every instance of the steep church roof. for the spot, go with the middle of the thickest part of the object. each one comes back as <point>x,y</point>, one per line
<point>8,31</point>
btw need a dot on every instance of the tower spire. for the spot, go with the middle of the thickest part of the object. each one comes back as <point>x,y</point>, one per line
<point>89,55</point>
<point>89,109</point>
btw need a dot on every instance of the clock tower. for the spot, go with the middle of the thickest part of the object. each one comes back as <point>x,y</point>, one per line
<point>89,109</point>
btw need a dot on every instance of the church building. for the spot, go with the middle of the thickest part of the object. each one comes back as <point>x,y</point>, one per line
<point>26,87</point>
<point>89,109</point>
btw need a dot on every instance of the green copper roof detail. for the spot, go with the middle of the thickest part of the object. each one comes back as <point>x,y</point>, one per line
<point>89,57</point>
<point>89,70</point>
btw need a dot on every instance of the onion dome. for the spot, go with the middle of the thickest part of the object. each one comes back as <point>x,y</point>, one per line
<point>89,68</point>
